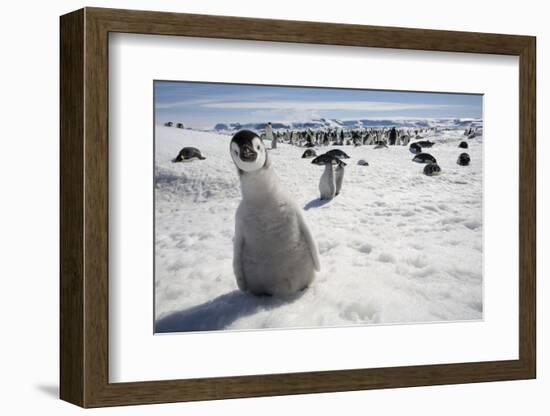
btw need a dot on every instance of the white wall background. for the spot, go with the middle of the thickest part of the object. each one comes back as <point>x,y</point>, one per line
<point>29,85</point>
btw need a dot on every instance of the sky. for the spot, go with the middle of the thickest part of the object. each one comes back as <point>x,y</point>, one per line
<point>202,105</point>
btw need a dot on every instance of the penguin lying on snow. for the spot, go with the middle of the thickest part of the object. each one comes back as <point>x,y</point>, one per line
<point>274,252</point>
<point>425,143</point>
<point>309,153</point>
<point>424,158</point>
<point>415,148</point>
<point>463,159</point>
<point>362,162</point>
<point>331,181</point>
<point>188,154</point>
<point>432,169</point>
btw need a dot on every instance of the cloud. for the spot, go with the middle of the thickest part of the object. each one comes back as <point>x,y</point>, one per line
<point>213,101</point>
<point>323,105</point>
<point>185,103</point>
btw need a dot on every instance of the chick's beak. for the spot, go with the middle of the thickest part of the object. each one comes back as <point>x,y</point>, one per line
<point>248,154</point>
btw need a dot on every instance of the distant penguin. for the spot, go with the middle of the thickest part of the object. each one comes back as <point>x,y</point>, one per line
<point>327,183</point>
<point>432,169</point>
<point>362,162</point>
<point>188,154</point>
<point>338,153</point>
<point>424,158</point>
<point>309,153</point>
<point>415,148</point>
<point>169,124</point>
<point>286,137</point>
<point>274,250</point>
<point>393,136</point>
<point>463,145</point>
<point>270,136</point>
<point>381,145</point>
<point>463,159</point>
<point>180,126</point>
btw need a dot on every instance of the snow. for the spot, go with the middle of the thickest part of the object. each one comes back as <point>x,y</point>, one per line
<point>396,246</point>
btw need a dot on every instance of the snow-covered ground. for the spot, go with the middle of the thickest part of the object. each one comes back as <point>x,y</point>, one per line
<point>396,246</point>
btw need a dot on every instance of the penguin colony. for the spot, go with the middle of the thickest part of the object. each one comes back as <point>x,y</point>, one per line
<point>381,138</point>
<point>330,184</point>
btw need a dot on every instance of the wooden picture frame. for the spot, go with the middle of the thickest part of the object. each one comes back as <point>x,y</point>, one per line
<point>84,207</point>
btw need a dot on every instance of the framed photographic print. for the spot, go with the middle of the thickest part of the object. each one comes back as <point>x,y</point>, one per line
<point>255,207</point>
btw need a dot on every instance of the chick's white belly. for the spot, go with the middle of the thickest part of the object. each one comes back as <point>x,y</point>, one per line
<point>276,258</point>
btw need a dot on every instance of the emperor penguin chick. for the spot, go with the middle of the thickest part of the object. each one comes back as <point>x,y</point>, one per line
<point>274,250</point>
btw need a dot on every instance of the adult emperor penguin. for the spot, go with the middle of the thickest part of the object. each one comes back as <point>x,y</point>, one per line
<point>424,158</point>
<point>274,250</point>
<point>339,177</point>
<point>309,153</point>
<point>188,154</point>
<point>338,153</point>
<point>328,187</point>
<point>463,159</point>
<point>415,148</point>
<point>270,136</point>
<point>432,169</point>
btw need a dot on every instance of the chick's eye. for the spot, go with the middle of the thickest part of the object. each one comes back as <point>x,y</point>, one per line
<point>236,152</point>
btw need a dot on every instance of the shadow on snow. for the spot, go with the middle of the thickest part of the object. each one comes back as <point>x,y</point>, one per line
<point>218,313</point>
<point>316,203</point>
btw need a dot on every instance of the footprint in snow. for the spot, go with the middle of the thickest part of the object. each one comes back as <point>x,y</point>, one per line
<point>386,258</point>
<point>418,262</point>
<point>472,225</point>
<point>364,248</point>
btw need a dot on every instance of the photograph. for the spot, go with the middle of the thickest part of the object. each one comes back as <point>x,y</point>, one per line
<point>285,207</point>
